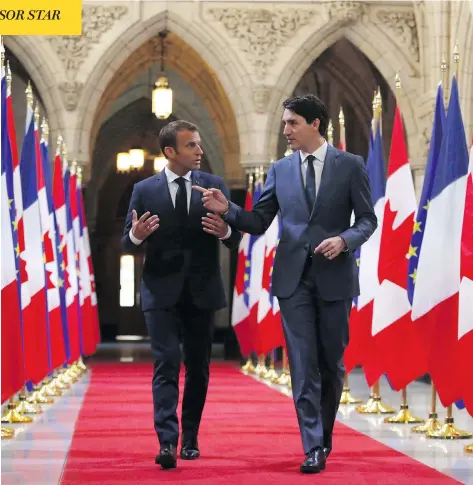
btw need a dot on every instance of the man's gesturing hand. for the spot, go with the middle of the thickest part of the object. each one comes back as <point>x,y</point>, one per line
<point>331,247</point>
<point>215,225</point>
<point>213,199</point>
<point>144,226</point>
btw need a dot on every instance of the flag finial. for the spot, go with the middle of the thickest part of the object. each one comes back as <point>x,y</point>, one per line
<point>9,77</point>
<point>330,132</point>
<point>29,95</point>
<point>44,130</point>
<point>341,117</point>
<point>74,167</point>
<point>398,81</point>
<point>64,151</point>
<point>2,52</point>
<point>36,115</point>
<point>443,63</point>
<point>79,174</point>
<point>59,142</point>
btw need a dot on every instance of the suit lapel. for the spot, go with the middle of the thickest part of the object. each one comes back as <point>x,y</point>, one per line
<point>327,174</point>
<point>196,196</point>
<point>296,172</point>
<point>163,197</point>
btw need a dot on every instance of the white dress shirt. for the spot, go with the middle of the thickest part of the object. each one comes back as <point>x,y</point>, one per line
<point>173,186</point>
<point>319,155</point>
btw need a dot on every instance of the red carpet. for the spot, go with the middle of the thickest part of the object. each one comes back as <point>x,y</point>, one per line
<point>249,436</point>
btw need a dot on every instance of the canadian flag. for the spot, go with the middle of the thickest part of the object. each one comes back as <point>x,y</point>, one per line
<point>402,356</point>
<point>270,333</point>
<point>241,323</point>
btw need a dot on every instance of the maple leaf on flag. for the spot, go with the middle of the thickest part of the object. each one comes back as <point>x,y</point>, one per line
<point>389,267</point>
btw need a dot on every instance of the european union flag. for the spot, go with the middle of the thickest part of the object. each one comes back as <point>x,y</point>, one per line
<point>419,225</point>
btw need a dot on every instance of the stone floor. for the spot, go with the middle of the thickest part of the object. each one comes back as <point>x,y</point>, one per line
<point>37,454</point>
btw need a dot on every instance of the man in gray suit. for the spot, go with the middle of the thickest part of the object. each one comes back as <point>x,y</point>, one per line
<point>316,189</point>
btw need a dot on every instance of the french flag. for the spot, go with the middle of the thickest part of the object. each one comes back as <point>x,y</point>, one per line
<point>270,333</point>
<point>240,308</point>
<point>64,223</point>
<point>13,376</point>
<point>360,350</point>
<point>436,296</point>
<point>35,315</point>
<point>56,337</point>
<point>465,322</point>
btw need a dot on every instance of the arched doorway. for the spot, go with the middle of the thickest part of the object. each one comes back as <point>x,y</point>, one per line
<point>343,77</point>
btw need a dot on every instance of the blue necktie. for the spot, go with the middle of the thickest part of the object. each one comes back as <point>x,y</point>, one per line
<point>310,183</point>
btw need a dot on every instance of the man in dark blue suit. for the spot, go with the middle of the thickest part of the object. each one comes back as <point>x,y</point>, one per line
<point>316,189</point>
<point>181,284</point>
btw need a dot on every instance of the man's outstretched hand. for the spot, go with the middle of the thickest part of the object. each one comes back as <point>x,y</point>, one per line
<point>213,199</point>
<point>144,226</point>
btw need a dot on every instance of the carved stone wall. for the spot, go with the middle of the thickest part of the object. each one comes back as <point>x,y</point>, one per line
<point>74,50</point>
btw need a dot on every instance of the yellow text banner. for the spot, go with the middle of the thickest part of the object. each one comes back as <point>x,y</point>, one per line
<point>40,17</point>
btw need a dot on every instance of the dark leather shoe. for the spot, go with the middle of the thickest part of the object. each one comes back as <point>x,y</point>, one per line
<point>190,450</point>
<point>314,462</point>
<point>167,457</point>
<point>327,452</point>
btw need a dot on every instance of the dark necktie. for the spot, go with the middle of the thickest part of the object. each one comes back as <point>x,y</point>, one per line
<point>181,200</point>
<point>310,183</point>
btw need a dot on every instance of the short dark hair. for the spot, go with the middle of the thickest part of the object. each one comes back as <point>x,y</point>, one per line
<point>168,133</point>
<point>309,107</point>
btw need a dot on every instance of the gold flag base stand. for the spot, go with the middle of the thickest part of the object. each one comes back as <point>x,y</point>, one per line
<point>80,364</point>
<point>346,397</point>
<point>38,398</point>
<point>7,433</point>
<point>430,426</point>
<point>449,432</point>
<point>404,416</point>
<point>26,407</point>
<point>469,449</point>
<point>248,367</point>
<point>261,369</point>
<point>282,379</point>
<point>13,416</point>
<point>374,404</point>
<point>271,375</point>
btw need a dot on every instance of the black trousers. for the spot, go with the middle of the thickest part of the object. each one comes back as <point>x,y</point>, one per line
<point>316,333</point>
<point>167,328</point>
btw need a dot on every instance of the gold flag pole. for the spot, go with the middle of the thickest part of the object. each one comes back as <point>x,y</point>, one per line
<point>432,424</point>
<point>249,367</point>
